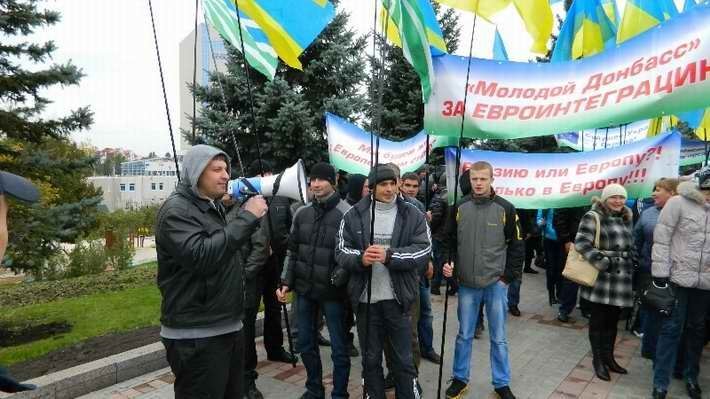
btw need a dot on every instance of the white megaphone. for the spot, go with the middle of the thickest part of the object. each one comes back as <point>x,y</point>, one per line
<point>290,183</point>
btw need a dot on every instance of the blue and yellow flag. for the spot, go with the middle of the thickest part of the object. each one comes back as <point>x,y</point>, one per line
<point>611,11</point>
<point>222,16</point>
<point>290,26</point>
<point>642,15</point>
<point>587,30</point>
<point>536,15</point>
<point>499,51</point>
<point>433,30</point>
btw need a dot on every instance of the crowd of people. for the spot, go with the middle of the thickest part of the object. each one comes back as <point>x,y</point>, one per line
<point>365,255</point>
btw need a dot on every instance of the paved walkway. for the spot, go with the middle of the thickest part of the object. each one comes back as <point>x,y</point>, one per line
<point>548,360</point>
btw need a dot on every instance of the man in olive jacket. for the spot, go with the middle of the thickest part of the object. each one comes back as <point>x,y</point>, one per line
<point>200,278</point>
<point>487,247</point>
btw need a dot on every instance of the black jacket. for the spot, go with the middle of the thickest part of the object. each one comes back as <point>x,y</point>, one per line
<point>199,270</point>
<point>439,215</point>
<point>408,253</point>
<point>281,219</point>
<point>254,255</point>
<point>310,261</point>
<point>566,223</point>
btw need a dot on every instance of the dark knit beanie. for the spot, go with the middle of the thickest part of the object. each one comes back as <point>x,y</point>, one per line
<point>381,173</point>
<point>324,171</point>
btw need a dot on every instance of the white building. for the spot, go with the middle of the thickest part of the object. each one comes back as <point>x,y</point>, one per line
<point>142,183</point>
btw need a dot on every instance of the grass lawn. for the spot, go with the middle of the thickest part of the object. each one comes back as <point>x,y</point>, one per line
<point>93,305</point>
<point>90,316</point>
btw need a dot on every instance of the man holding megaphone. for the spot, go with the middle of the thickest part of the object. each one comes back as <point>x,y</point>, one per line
<point>200,278</point>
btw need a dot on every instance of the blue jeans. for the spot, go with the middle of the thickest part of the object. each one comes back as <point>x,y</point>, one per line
<point>334,313</point>
<point>688,316</point>
<point>514,291</point>
<point>426,317</point>
<point>568,296</point>
<point>650,324</point>
<point>495,298</point>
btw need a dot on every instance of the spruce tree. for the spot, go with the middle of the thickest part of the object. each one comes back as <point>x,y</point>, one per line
<point>37,147</point>
<point>290,110</point>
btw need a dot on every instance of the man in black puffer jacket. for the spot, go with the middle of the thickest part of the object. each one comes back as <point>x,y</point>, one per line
<point>401,249</point>
<point>312,272</point>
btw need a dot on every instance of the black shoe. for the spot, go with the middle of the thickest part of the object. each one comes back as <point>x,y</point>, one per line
<point>432,357</point>
<point>564,318</point>
<point>389,381</point>
<point>282,356</point>
<point>530,270</point>
<point>323,341</point>
<point>694,391</point>
<point>657,394</point>
<point>456,389</point>
<point>505,393</point>
<point>435,290</point>
<point>586,314</point>
<point>600,369</point>
<point>513,309</point>
<point>477,334</point>
<point>607,351</point>
<point>647,355</point>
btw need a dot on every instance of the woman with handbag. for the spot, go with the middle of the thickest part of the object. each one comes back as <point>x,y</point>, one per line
<point>681,262</point>
<point>605,240</point>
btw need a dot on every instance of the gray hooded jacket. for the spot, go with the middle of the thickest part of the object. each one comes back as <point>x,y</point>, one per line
<point>199,270</point>
<point>681,239</point>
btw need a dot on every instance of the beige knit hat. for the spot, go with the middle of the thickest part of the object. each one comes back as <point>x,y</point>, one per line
<point>612,190</point>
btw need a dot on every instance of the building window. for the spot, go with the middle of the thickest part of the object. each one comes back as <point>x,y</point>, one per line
<point>152,186</point>
<point>161,186</point>
<point>132,187</point>
<point>123,187</point>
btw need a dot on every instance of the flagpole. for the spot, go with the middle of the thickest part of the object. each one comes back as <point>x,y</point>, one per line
<point>621,130</point>
<point>705,135</point>
<point>456,194</point>
<point>261,167</point>
<point>374,160</point>
<point>426,170</point>
<point>606,137</point>
<point>165,95</point>
<point>194,71</point>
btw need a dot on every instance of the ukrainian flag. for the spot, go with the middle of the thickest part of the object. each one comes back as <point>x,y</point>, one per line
<point>587,30</point>
<point>536,15</point>
<point>499,51</point>
<point>290,26</point>
<point>611,11</point>
<point>433,30</point>
<point>642,15</point>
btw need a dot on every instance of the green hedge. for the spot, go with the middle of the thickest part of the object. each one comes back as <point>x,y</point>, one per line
<point>47,291</point>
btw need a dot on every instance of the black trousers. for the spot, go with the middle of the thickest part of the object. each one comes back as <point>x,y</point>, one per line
<point>207,367</point>
<point>603,318</point>
<point>533,245</point>
<point>387,319</point>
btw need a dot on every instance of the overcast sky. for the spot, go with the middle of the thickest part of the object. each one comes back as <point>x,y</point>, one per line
<point>112,42</point>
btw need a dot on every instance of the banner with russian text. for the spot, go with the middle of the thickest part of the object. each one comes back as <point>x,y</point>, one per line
<point>349,147</point>
<point>558,180</point>
<point>610,137</point>
<point>665,70</point>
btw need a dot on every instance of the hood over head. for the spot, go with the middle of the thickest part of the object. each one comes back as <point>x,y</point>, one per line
<point>195,162</point>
